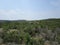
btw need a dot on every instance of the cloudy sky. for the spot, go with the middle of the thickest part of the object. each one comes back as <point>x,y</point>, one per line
<point>29,9</point>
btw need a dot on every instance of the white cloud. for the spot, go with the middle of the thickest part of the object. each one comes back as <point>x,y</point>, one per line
<point>16,14</point>
<point>28,14</point>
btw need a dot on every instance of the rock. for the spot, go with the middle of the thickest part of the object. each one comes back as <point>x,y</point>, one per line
<point>47,43</point>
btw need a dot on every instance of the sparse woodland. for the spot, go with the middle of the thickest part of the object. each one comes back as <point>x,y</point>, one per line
<point>38,32</point>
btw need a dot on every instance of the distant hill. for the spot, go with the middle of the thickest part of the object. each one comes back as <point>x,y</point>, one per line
<point>51,19</point>
<point>10,20</point>
<point>43,23</point>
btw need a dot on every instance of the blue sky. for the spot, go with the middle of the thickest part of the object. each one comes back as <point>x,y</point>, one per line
<point>29,9</point>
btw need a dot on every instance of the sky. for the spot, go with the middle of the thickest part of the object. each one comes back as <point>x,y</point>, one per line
<point>29,9</point>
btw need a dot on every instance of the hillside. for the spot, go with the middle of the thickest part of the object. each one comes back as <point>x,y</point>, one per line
<point>36,32</point>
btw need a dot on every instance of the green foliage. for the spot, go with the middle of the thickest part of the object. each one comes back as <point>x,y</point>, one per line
<point>30,32</point>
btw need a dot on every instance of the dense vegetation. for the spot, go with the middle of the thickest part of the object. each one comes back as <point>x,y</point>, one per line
<point>37,32</point>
